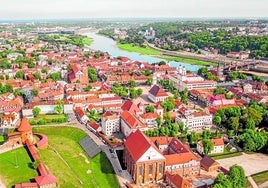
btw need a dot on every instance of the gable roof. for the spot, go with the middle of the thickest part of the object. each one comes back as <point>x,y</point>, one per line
<point>180,158</point>
<point>217,142</point>
<point>130,106</point>
<point>157,91</point>
<point>24,126</point>
<point>207,161</point>
<point>137,144</point>
<point>131,120</point>
<point>177,180</point>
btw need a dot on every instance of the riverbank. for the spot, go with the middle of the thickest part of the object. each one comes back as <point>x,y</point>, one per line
<point>148,50</point>
<point>87,41</point>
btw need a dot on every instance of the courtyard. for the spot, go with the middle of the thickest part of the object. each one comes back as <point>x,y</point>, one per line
<point>252,163</point>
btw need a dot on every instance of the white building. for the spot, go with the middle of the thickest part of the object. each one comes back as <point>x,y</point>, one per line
<point>157,94</point>
<point>190,81</point>
<point>195,121</point>
<point>218,146</point>
<point>110,123</point>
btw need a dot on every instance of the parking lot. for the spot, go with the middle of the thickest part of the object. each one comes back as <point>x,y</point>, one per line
<point>252,163</point>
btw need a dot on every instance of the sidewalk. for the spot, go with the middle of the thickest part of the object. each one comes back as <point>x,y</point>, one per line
<point>252,182</point>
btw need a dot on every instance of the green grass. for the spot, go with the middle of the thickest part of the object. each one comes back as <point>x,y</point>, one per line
<point>134,48</point>
<point>260,177</point>
<point>8,171</point>
<point>225,155</point>
<point>50,116</point>
<point>151,51</point>
<point>87,41</point>
<point>188,60</point>
<point>2,139</point>
<point>63,140</point>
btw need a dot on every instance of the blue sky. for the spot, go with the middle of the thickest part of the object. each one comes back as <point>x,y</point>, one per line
<point>51,9</point>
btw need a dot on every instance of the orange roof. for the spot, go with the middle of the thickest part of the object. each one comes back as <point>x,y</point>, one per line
<point>217,142</point>
<point>130,120</point>
<point>24,125</point>
<point>180,158</point>
<point>177,180</point>
<point>149,115</point>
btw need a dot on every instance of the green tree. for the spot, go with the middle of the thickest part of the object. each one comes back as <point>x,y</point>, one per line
<point>36,111</point>
<point>132,83</point>
<point>92,75</point>
<point>59,107</point>
<point>139,91</point>
<point>19,74</point>
<point>219,90</point>
<point>149,108</point>
<point>222,182</point>
<point>258,78</point>
<point>217,120</point>
<point>208,146</point>
<point>237,176</point>
<point>55,76</point>
<point>149,81</point>
<point>132,93</point>
<point>88,88</point>
<point>35,92</point>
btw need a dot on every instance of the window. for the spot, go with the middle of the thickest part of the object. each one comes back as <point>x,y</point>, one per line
<point>150,169</point>
<point>160,168</point>
<point>140,170</point>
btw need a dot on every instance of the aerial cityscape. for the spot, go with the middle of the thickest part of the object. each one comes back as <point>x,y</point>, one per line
<point>134,94</point>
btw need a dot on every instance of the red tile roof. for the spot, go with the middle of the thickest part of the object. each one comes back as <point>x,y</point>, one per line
<point>79,112</point>
<point>137,144</point>
<point>45,180</point>
<point>149,115</point>
<point>217,142</point>
<point>130,106</point>
<point>177,180</point>
<point>157,91</point>
<point>24,126</point>
<point>180,158</point>
<point>94,125</point>
<point>131,120</point>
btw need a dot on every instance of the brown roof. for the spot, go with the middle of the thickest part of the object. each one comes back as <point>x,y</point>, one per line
<point>24,125</point>
<point>131,120</point>
<point>217,142</point>
<point>207,161</point>
<point>157,91</point>
<point>177,180</point>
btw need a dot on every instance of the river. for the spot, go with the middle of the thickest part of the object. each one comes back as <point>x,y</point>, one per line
<point>106,44</point>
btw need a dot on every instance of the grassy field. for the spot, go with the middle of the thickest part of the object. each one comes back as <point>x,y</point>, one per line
<point>67,161</point>
<point>133,48</point>
<point>189,60</point>
<point>2,139</point>
<point>8,171</point>
<point>225,155</point>
<point>150,51</point>
<point>50,116</point>
<point>87,41</point>
<point>260,177</point>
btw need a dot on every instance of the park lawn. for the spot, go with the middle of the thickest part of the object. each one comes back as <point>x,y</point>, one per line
<point>2,139</point>
<point>134,48</point>
<point>97,173</point>
<point>12,175</point>
<point>225,155</point>
<point>260,177</point>
<point>50,116</point>
<point>87,41</point>
<point>189,60</point>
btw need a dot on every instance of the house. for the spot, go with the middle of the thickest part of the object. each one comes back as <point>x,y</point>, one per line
<point>179,158</point>
<point>149,119</point>
<point>195,121</point>
<point>177,181</point>
<point>110,123</point>
<point>81,115</point>
<point>143,160</point>
<point>208,164</point>
<point>94,127</point>
<point>157,94</point>
<point>130,123</point>
<point>131,107</point>
<point>218,146</point>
